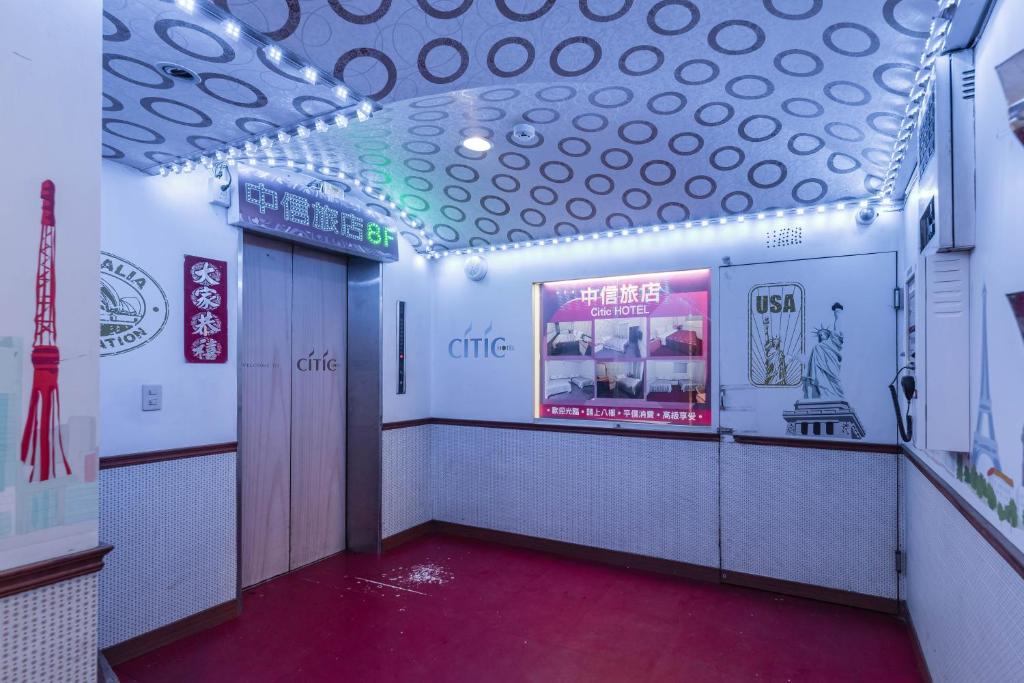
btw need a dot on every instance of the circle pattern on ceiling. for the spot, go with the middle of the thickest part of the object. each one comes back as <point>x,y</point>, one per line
<point>172,110</point>
<point>574,63</point>
<point>736,37</point>
<point>183,36</point>
<point>776,102</point>
<point>427,70</point>
<point>641,60</point>
<point>507,69</point>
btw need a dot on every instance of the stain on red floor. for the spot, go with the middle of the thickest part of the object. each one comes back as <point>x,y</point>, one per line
<point>450,609</point>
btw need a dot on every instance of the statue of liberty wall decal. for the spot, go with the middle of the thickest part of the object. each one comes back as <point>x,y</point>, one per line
<point>824,410</point>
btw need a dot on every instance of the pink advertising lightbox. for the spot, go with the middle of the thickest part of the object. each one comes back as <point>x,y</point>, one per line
<point>632,348</point>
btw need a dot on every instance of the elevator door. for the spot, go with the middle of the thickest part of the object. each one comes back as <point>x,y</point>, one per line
<point>318,406</point>
<point>292,431</point>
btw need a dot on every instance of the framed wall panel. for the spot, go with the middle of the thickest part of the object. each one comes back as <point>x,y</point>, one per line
<point>633,348</point>
<point>809,348</point>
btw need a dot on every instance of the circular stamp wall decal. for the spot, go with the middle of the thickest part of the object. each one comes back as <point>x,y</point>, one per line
<point>133,306</point>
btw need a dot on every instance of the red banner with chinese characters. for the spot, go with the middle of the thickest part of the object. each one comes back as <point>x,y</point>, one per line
<point>206,310</point>
<point>626,349</point>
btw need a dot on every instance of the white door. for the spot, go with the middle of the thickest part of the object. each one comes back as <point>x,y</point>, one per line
<point>809,348</point>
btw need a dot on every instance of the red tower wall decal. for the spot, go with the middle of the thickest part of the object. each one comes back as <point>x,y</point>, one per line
<point>41,445</point>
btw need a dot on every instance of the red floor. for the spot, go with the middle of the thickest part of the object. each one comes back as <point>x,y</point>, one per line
<point>447,609</point>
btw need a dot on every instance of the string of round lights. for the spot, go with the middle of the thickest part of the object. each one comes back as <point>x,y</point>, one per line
<point>839,207</point>
<point>288,146</point>
<point>359,108</point>
<point>923,78</point>
<point>268,147</point>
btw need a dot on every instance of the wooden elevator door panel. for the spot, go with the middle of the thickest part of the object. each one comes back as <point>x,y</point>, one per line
<point>318,406</point>
<point>265,416</point>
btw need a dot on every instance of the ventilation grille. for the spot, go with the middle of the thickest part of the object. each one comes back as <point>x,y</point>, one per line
<point>948,285</point>
<point>784,237</point>
<point>967,84</point>
<point>926,136</point>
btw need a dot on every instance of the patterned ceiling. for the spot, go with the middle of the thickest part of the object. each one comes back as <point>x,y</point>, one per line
<point>645,112</point>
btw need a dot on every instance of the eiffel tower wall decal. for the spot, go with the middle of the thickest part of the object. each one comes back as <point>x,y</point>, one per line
<point>984,472</point>
<point>42,447</point>
<point>984,449</point>
<point>1016,300</point>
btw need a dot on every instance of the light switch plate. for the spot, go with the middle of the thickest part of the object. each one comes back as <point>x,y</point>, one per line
<point>152,397</point>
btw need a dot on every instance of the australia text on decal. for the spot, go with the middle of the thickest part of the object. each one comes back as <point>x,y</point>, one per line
<point>133,306</point>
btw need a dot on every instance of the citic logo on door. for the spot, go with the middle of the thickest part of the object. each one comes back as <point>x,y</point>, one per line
<point>315,362</point>
<point>482,346</point>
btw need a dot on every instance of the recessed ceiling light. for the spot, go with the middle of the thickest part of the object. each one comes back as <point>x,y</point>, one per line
<point>477,144</point>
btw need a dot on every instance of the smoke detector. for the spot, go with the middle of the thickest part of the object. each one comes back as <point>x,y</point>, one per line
<point>524,132</point>
<point>475,268</point>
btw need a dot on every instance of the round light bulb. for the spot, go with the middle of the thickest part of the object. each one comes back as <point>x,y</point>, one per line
<point>477,144</point>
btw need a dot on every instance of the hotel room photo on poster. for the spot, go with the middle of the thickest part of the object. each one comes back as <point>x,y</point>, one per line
<point>631,348</point>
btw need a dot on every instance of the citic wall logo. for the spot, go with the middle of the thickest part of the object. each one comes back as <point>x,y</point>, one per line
<point>317,362</point>
<point>133,306</point>
<point>481,346</point>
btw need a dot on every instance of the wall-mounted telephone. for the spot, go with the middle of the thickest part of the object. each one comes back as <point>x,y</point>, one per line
<point>909,386</point>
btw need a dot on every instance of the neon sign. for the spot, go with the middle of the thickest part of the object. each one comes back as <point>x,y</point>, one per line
<point>289,208</point>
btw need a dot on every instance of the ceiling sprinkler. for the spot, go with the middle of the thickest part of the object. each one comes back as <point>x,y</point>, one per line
<point>524,132</point>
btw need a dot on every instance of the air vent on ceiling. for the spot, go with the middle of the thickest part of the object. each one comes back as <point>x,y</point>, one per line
<point>784,237</point>
<point>177,71</point>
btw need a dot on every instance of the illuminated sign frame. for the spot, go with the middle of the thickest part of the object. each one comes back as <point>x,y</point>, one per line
<point>592,372</point>
<point>286,207</point>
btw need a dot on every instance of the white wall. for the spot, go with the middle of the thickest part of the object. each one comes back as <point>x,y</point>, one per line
<point>502,388</point>
<point>549,484</point>
<point>154,222</point>
<point>50,74</point>
<point>964,597</point>
<point>996,262</point>
<point>50,77</point>
<point>995,265</point>
<point>410,279</point>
